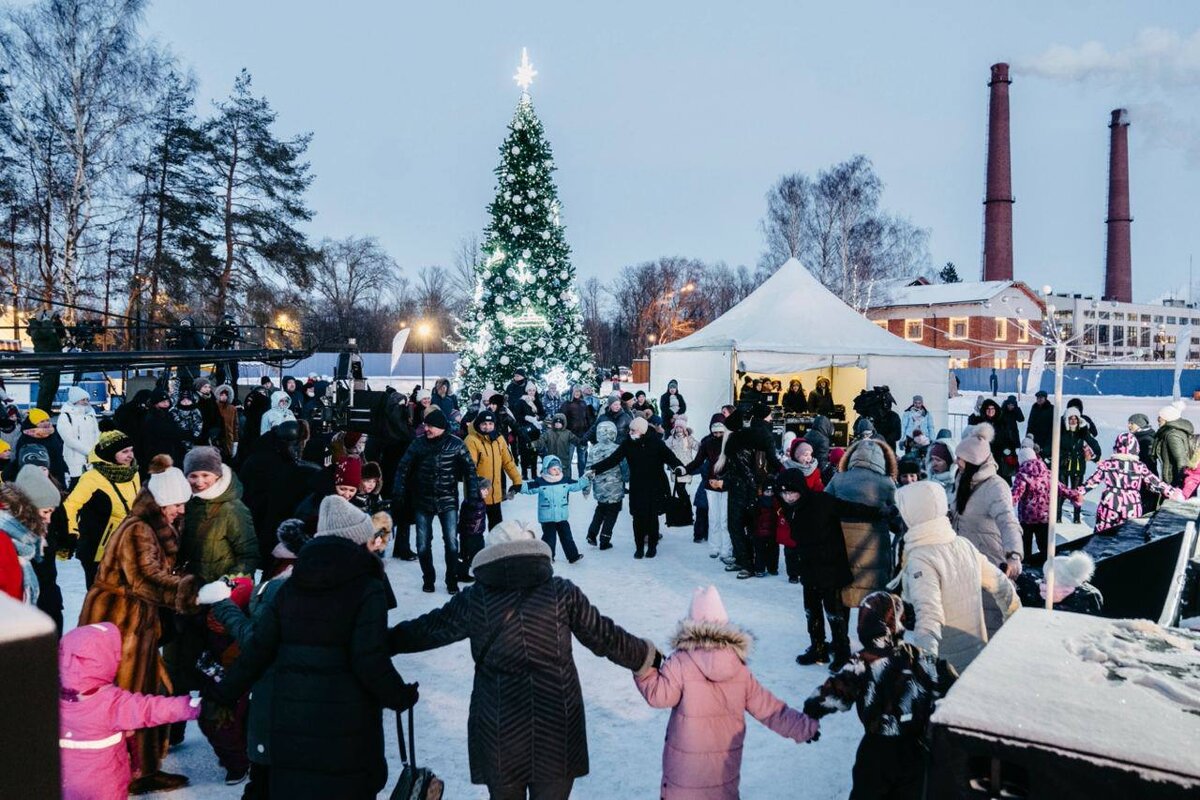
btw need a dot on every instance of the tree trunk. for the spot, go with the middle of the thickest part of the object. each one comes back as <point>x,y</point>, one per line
<point>227,271</point>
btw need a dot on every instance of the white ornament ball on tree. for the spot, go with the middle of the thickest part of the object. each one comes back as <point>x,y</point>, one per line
<point>504,360</point>
<point>532,192</point>
<point>541,293</point>
<point>526,254</point>
<point>539,362</point>
<point>530,169</point>
<point>545,234</point>
<point>516,230</point>
<point>553,301</point>
<point>528,208</point>
<point>525,348</point>
<point>515,150</point>
<point>550,261</point>
<point>542,272</point>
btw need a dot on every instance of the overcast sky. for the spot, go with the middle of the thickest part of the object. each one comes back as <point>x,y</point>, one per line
<point>670,120</point>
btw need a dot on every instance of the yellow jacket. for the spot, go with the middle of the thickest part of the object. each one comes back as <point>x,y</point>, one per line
<point>491,457</point>
<point>96,506</point>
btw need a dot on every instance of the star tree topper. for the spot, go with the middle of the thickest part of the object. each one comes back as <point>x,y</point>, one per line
<point>525,72</point>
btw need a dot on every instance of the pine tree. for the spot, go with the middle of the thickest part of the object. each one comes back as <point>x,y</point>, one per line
<point>949,274</point>
<point>261,183</point>
<point>525,313</point>
<point>177,200</point>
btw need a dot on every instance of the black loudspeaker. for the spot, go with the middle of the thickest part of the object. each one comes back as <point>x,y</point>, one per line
<point>365,413</point>
<point>29,697</point>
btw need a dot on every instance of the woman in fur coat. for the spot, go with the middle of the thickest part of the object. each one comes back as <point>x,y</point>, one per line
<point>1123,477</point>
<point>137,581</point>
<point>709,689</point>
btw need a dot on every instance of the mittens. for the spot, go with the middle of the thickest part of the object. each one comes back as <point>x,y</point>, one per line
<point>213,592</point>
<point>409,695</point>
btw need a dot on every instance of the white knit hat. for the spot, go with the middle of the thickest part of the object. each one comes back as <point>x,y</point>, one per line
<point>707,606</point>
<point>1170,413</point>
<point>337,517</point>
<point>921,502</point>
<point>512,537</point>
<point>169,487</point>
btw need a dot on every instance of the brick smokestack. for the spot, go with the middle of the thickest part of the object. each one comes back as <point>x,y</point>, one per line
<point>1118,262</point>
<point>998,203</point>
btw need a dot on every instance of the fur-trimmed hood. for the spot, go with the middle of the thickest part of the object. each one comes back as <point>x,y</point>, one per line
<point>870,454</point>
<point>717,648</point>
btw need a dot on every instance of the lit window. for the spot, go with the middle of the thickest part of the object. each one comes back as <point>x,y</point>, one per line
<point>913,329</point>
<point>1022,330</point>
<point>958,327</point>
<point>1001,329</point>
<point>1000,359</point>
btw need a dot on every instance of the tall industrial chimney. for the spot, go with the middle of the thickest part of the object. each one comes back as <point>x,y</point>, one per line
<point>1118,262</point>
<point>998,203</point>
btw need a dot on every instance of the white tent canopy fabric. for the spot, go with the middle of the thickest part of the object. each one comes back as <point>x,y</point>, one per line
<point>790,324</point>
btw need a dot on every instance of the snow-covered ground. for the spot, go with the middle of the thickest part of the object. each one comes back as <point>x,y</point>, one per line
<point>647,597</point>
<point>625,736</point>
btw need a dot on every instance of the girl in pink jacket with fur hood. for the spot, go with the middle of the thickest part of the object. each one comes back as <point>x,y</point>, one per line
<point>709,689</point>
<point>95,714</point>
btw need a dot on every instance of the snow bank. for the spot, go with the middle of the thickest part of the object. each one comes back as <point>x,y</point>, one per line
<point>1125,690</point>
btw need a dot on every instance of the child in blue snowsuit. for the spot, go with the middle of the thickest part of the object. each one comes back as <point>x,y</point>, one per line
<point>553,493</point>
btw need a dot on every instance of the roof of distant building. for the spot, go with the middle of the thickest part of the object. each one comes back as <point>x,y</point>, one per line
<point>941,294</point>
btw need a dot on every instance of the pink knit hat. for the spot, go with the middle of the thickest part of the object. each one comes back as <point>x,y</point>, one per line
<point>707,606</point>
<point>975,448</point>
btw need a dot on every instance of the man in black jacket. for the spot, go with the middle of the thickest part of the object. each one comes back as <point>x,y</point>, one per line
<point>387,449</point>
<point>750,462</point>
<point>1041,422</point>
<point>274,481</point>
<point>1139,426</point>
<point>427,484</point>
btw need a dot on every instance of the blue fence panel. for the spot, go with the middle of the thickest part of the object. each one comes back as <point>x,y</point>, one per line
<point>1151,382</point>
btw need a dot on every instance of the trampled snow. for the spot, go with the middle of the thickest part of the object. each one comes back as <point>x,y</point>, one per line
<point>625,736</point>
<point>646,597</point>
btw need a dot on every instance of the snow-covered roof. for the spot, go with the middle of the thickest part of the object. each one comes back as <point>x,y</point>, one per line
<point>791,312</point>
<point>1121,690</point>
<point>940,294</point>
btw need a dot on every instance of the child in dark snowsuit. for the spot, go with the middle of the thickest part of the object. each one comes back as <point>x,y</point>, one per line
<point>472,525</point>
<point>225,726</point>
<point>557,441</point>
<point>893,684</point>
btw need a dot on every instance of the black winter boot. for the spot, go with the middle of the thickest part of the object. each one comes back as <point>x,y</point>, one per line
<point>839,628</point>
<point>815,654</point>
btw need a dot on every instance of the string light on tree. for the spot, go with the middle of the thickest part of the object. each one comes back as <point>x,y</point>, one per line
<point>525,311</point>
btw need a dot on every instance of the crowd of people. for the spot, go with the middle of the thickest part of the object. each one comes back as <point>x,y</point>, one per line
<point>233,548</point>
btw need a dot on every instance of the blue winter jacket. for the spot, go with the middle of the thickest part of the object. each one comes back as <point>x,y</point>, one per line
<point>552,497</point>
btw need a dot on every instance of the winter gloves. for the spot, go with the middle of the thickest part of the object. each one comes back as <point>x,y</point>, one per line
<point>214,592</point>
<point>409,696</point>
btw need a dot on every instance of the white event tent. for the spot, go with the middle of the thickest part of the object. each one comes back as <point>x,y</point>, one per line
<point>793,327</point>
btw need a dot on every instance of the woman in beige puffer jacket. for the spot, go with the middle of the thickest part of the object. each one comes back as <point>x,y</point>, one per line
<point>945,578</point>
<point>983,511</point>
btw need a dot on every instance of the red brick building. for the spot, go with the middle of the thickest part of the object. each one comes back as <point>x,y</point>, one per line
<point>980,324</point>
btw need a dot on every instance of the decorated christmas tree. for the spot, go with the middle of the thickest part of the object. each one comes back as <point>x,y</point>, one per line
<point>525,313</point>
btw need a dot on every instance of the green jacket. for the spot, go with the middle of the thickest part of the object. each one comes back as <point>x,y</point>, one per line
<point>1173,450</point>
<point>218,533</point>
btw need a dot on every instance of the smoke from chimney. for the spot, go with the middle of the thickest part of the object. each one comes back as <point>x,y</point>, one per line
<point>998,201</point>
<point>1118,260</point>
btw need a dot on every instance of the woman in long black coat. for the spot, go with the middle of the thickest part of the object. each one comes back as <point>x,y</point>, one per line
<point>326,634</point>
<point>646,456</point>
<point>526,729</point>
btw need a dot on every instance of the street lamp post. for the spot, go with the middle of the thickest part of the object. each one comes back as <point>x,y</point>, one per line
<point>423,333</point>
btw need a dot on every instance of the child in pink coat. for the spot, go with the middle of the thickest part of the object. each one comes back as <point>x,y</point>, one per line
<point>709,689</point>
<point>95,715</point>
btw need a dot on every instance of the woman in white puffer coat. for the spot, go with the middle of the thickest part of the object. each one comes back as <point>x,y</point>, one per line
<point>944,577</point>
<point>79,429</point>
